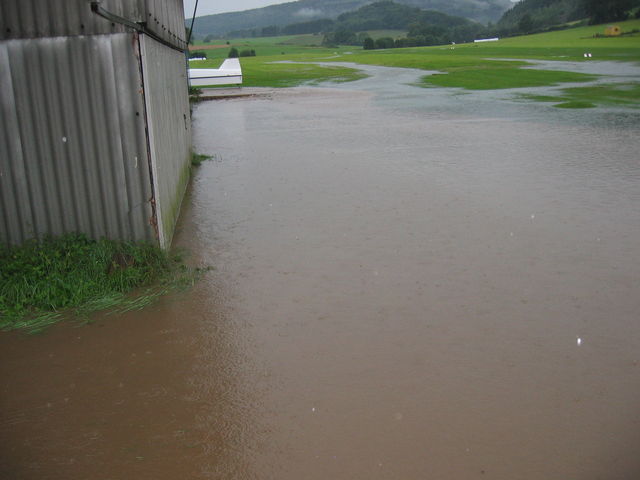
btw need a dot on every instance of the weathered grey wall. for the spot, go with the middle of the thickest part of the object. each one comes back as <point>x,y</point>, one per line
<point>169,123</point>
<point>95,130</point>
<point>52,18</point>
<point>73,146</point>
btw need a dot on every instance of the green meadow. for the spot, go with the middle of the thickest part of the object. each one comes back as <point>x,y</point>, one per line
<point>474,66</point>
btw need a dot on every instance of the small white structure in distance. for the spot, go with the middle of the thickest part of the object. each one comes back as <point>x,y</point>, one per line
<point>486,40</point>
<point>229,73</point>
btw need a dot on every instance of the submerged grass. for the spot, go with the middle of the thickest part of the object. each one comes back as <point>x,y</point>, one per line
<point>611,94</point>
<point>198,158</point>
<point>42,282</point>
<point>499,78</point>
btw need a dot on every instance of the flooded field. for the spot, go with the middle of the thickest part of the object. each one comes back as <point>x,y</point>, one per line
<point>408,284</point>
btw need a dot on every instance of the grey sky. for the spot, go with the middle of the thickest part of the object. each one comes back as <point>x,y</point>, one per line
<point>209,7</point>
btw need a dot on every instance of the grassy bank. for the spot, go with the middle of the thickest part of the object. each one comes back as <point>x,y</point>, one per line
<point>42,282</point>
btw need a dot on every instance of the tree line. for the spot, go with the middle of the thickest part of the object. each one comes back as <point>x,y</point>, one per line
<point>425,27</point>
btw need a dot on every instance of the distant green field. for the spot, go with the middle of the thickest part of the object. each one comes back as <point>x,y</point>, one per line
<point>257,74</point>
<point>375,34</point>
<point>492,65</point>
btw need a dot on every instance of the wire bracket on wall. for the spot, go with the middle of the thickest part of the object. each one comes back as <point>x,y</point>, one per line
<point>138,27</point>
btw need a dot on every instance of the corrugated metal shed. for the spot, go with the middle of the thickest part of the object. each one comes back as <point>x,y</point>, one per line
<point>94,120</point>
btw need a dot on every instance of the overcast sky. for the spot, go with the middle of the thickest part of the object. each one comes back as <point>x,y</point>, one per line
<point>209,7</point>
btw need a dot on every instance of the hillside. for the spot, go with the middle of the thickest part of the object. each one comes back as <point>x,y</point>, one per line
<point>530,15</point>
<point>306,10</point>
<point>393,15</point>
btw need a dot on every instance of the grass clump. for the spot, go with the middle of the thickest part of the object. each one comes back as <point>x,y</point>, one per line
<point>194,94</point>
<point>198,158</point>
<point>41,281</point>
<point>575,104</point>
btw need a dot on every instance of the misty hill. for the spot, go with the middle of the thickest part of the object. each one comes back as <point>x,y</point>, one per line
<point>531,15</point>
<point>392,15</point>
<point>306,10</point>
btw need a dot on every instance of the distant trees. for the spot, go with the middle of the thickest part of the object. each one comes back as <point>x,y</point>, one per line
<point>340,36</point>
<point>526,25</point>
<point>312,26</point>
<point>368,44</point>
<point>425,27</point>
<point>270,31</point>
<point>234,53</point>
<point>531,16</point>
<point>601,11</point>
<point>385,42</point>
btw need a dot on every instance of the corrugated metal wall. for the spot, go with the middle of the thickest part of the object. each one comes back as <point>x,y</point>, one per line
<point>166,19</point>
<point>94,136</point>
<point>20,19</point>
<point>55,18</point>
<point>169,123</point>
<point>73,146</point>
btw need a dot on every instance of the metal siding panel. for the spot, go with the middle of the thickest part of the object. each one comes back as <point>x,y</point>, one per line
<point>15,208</point>
<point>52,18</point>
<point>165,18</point>
<point>74,147</point>
<point>167,104</point>
<point>30,118</point>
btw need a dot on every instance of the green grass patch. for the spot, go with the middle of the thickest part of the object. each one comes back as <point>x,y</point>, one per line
<point>499,78</point>
<point>308,40</point>
<point>606,94</point>
<point>611,94</point>
<point>198,158</point>
<point>575,104</point>
<point>271,72</point>
<point>258,73</point>
<point>42,282</point>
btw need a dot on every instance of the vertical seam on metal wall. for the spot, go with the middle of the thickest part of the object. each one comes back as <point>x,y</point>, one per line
<point>151,154</point>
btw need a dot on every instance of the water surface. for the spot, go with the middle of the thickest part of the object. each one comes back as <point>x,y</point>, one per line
<point>409,284</point>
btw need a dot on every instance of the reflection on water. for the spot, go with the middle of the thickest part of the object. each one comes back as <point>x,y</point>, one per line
<point>404,288</point>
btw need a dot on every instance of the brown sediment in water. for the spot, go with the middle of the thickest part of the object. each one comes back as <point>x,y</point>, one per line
<point>397,294</point>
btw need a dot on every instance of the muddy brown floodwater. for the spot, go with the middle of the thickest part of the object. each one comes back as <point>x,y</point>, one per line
<point>408,284</point>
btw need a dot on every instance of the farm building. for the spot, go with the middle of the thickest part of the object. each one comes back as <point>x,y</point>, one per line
<point>612,31</point>
<point>95,130</point>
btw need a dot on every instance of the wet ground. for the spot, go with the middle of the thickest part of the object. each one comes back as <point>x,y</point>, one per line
<point>409,284</point>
